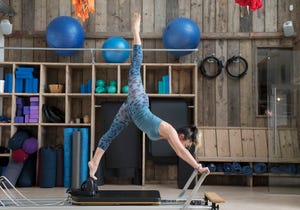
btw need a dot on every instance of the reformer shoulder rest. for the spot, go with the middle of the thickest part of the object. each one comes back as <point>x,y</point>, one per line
<point>213,197</point>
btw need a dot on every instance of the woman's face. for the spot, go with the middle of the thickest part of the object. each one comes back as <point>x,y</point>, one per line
<point>185,142</point>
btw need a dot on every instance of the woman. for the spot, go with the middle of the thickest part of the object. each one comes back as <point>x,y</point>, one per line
<point>136,109</point>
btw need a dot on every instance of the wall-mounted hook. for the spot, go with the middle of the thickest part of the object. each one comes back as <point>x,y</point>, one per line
<point>211,60</point>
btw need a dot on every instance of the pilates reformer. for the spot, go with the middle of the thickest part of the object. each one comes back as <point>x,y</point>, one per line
<point>151,198</point>
<point>91,197</point>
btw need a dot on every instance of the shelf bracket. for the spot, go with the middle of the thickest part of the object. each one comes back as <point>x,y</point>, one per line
<point>93,54</point>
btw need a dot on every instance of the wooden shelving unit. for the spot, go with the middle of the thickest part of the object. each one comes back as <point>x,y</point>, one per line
<point>182,84</point>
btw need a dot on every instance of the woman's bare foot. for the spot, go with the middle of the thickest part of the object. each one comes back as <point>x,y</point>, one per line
<point>93,169</point>
<point>136,22</point>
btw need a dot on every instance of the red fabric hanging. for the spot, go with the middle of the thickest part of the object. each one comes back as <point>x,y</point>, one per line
<point>253,4</point>
<point>83,7</point>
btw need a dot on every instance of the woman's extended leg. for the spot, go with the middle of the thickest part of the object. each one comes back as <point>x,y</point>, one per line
<point>122,118</point>
<point>120,121</point>
<point>137,98</point>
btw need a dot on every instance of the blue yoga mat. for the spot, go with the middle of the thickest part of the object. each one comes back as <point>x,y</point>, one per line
<point>227,167</point>
<point>84,154</point>
<point>298,168</point>
<point>27,177</point>
<point>260,168</point>
<point>47,167</point>
<point>236,168</point>
<point>67,156</point>
<point>284,169</point>
<point>59,166</point>
<point>247,170</point>
<point>212,167</point>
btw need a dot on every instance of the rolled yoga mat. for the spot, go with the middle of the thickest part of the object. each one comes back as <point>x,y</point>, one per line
<point>13,171</point>
<point>47,167</point>
<point>247,170</point>
<point>260,168</point>
<point>227,167</point>
<point>59,166</point>
<point>76,156</point>
<point>236,168</point>
<point>84,154</point>
<point>27,177</point>
<point>67,156</point>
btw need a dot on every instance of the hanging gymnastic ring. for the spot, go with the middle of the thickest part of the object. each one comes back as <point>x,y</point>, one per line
<point>237,59</point>
<point>214,59</point>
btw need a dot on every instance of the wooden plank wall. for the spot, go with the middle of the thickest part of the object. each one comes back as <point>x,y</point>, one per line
<point>227,144</point>
<point>226,30</point>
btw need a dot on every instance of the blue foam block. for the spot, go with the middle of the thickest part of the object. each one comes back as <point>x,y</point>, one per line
<point>8,83</point>
<point>166,83</point>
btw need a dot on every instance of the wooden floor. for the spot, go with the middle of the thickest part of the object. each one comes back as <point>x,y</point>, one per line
<point>238,197</point>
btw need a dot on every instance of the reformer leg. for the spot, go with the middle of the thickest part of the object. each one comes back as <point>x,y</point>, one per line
<point>188,183</point>
<point>195,190</point>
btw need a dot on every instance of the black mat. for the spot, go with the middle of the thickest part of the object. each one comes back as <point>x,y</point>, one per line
<point>119,197</point>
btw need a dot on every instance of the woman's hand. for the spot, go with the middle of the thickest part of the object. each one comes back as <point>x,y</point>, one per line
<point>202,170</point>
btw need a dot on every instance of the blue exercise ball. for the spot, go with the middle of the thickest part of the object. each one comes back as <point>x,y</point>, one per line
<point>115,56</point>
<point>65,32</point>
<point>181,33</point>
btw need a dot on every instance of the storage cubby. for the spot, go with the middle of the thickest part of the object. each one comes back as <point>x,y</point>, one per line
<point>5,134</point>
<point>6,100</point>
<point>26,109</point>
<point>181,80</point>
<point>7,75</point>
<point>79,78</point>
<point>52,74</point>
<point>124,71</point>
<point>56,104</point>
<point>51,135</point>
<point>79,110</point>
<point>154,76</point>
<point>26,78</point>
<point>104,76</point>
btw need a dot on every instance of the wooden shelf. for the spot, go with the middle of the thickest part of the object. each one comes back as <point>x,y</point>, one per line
<point>5,155</point>
<point>66,124</point>
<point>5,124</point>
<point>255,174</point>
<point>25,124</point>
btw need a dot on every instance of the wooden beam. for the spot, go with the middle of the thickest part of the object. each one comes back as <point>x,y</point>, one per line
<point>158,35</point>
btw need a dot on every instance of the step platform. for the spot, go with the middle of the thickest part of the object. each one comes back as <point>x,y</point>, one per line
<point>119,197</point>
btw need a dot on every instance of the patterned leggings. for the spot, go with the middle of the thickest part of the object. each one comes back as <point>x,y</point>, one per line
<point>136,100</point>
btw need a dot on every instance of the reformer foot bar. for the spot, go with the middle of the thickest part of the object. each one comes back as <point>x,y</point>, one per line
<point>120,199</point>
